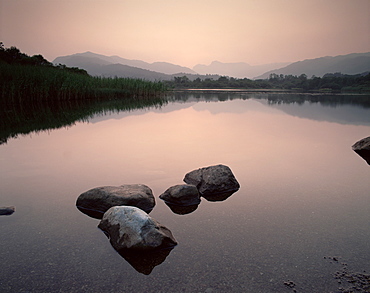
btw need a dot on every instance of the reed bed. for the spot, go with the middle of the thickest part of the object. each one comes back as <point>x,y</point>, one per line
<point>22,84</point>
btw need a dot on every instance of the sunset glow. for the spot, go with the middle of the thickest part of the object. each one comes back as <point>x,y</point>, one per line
<point>188,32</point>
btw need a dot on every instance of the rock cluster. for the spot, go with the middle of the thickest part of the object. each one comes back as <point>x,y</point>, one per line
<point>124,209</point>
<point>214,183</point>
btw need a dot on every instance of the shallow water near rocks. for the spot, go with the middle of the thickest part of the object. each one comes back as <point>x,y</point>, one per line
<point>304,198</point>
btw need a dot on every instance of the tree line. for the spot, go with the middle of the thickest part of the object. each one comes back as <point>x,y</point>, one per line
<point>336,82</point>
<point>14,56</point>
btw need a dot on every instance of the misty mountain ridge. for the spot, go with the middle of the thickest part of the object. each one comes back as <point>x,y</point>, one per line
<point>355,63</point>
<point>94,63</point>
<point>161,67</point>
<point>110,66</point>
<point>237,69</point>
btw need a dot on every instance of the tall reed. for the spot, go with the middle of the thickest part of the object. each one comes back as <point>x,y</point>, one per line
<point>21,83</point>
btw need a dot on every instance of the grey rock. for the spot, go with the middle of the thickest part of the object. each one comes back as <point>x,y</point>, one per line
<point>130,228</point>
<point>7,211</point>
<point>362,148</point>
<point>95,202</point>
<point>213,180</point>
<point>182,194</point>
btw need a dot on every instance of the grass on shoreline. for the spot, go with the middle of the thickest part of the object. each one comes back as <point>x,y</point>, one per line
<point>25,83</point>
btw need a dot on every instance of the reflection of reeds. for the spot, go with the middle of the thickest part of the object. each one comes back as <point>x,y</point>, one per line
<point>20,118</point>
<point>19,83</point>
<point>36,98</point>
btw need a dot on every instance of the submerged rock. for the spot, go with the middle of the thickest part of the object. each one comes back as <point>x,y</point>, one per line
<point>182,194</point>
<point>362,148</point>
<point>130,228</point>
<point>7,211</point>
<point>95,202</point>
<point>213,180</point>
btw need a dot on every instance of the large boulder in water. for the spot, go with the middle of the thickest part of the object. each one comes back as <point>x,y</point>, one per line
<point>95,202</point>
<point>213,180</point>
<point>182,194</point>
<point>362,148</point>
<point>130,228</point>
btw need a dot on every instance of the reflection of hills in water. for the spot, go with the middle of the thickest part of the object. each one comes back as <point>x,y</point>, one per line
<point>343,109</point>
<point>23,119</point>
<point>338,109</point>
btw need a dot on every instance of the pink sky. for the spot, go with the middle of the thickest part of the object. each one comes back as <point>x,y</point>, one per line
<point>188,32</point>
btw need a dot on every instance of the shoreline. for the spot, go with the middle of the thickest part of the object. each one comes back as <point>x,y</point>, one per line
<point>278,91</point>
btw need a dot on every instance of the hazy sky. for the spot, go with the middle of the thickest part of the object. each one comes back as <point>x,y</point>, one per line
<point>188,32</point>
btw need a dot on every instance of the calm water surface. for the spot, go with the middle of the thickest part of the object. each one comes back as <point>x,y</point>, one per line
<point>304,197</point>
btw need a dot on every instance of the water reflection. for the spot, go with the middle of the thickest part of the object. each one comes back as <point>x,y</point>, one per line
<point>187,209</point>
<point>362,100</point>
<point>218,196</point>
<point>16,119</point>
<point>145,261</point>
<point>182,209</point>
<point>343,109</point>
<point>91,213</point>
<point>304,195</point>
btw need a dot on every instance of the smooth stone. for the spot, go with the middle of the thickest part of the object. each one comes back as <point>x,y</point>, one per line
<point>130,228</point>
<point>182,194</point>
<point>95,202</point>
<point>213,180</point>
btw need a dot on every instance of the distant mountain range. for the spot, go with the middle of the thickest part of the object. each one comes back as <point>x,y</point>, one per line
<point>238,70</point>
<point>346,64</point>
<point>110,66</point>
<point>162,67</point>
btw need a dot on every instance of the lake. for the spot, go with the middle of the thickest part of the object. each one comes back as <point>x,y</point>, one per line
<point>300,221</point>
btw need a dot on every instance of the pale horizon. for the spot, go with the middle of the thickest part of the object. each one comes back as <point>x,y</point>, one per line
<point>190,32</point>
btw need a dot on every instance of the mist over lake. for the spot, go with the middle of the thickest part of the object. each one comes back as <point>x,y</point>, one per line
<point>300,220</point>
